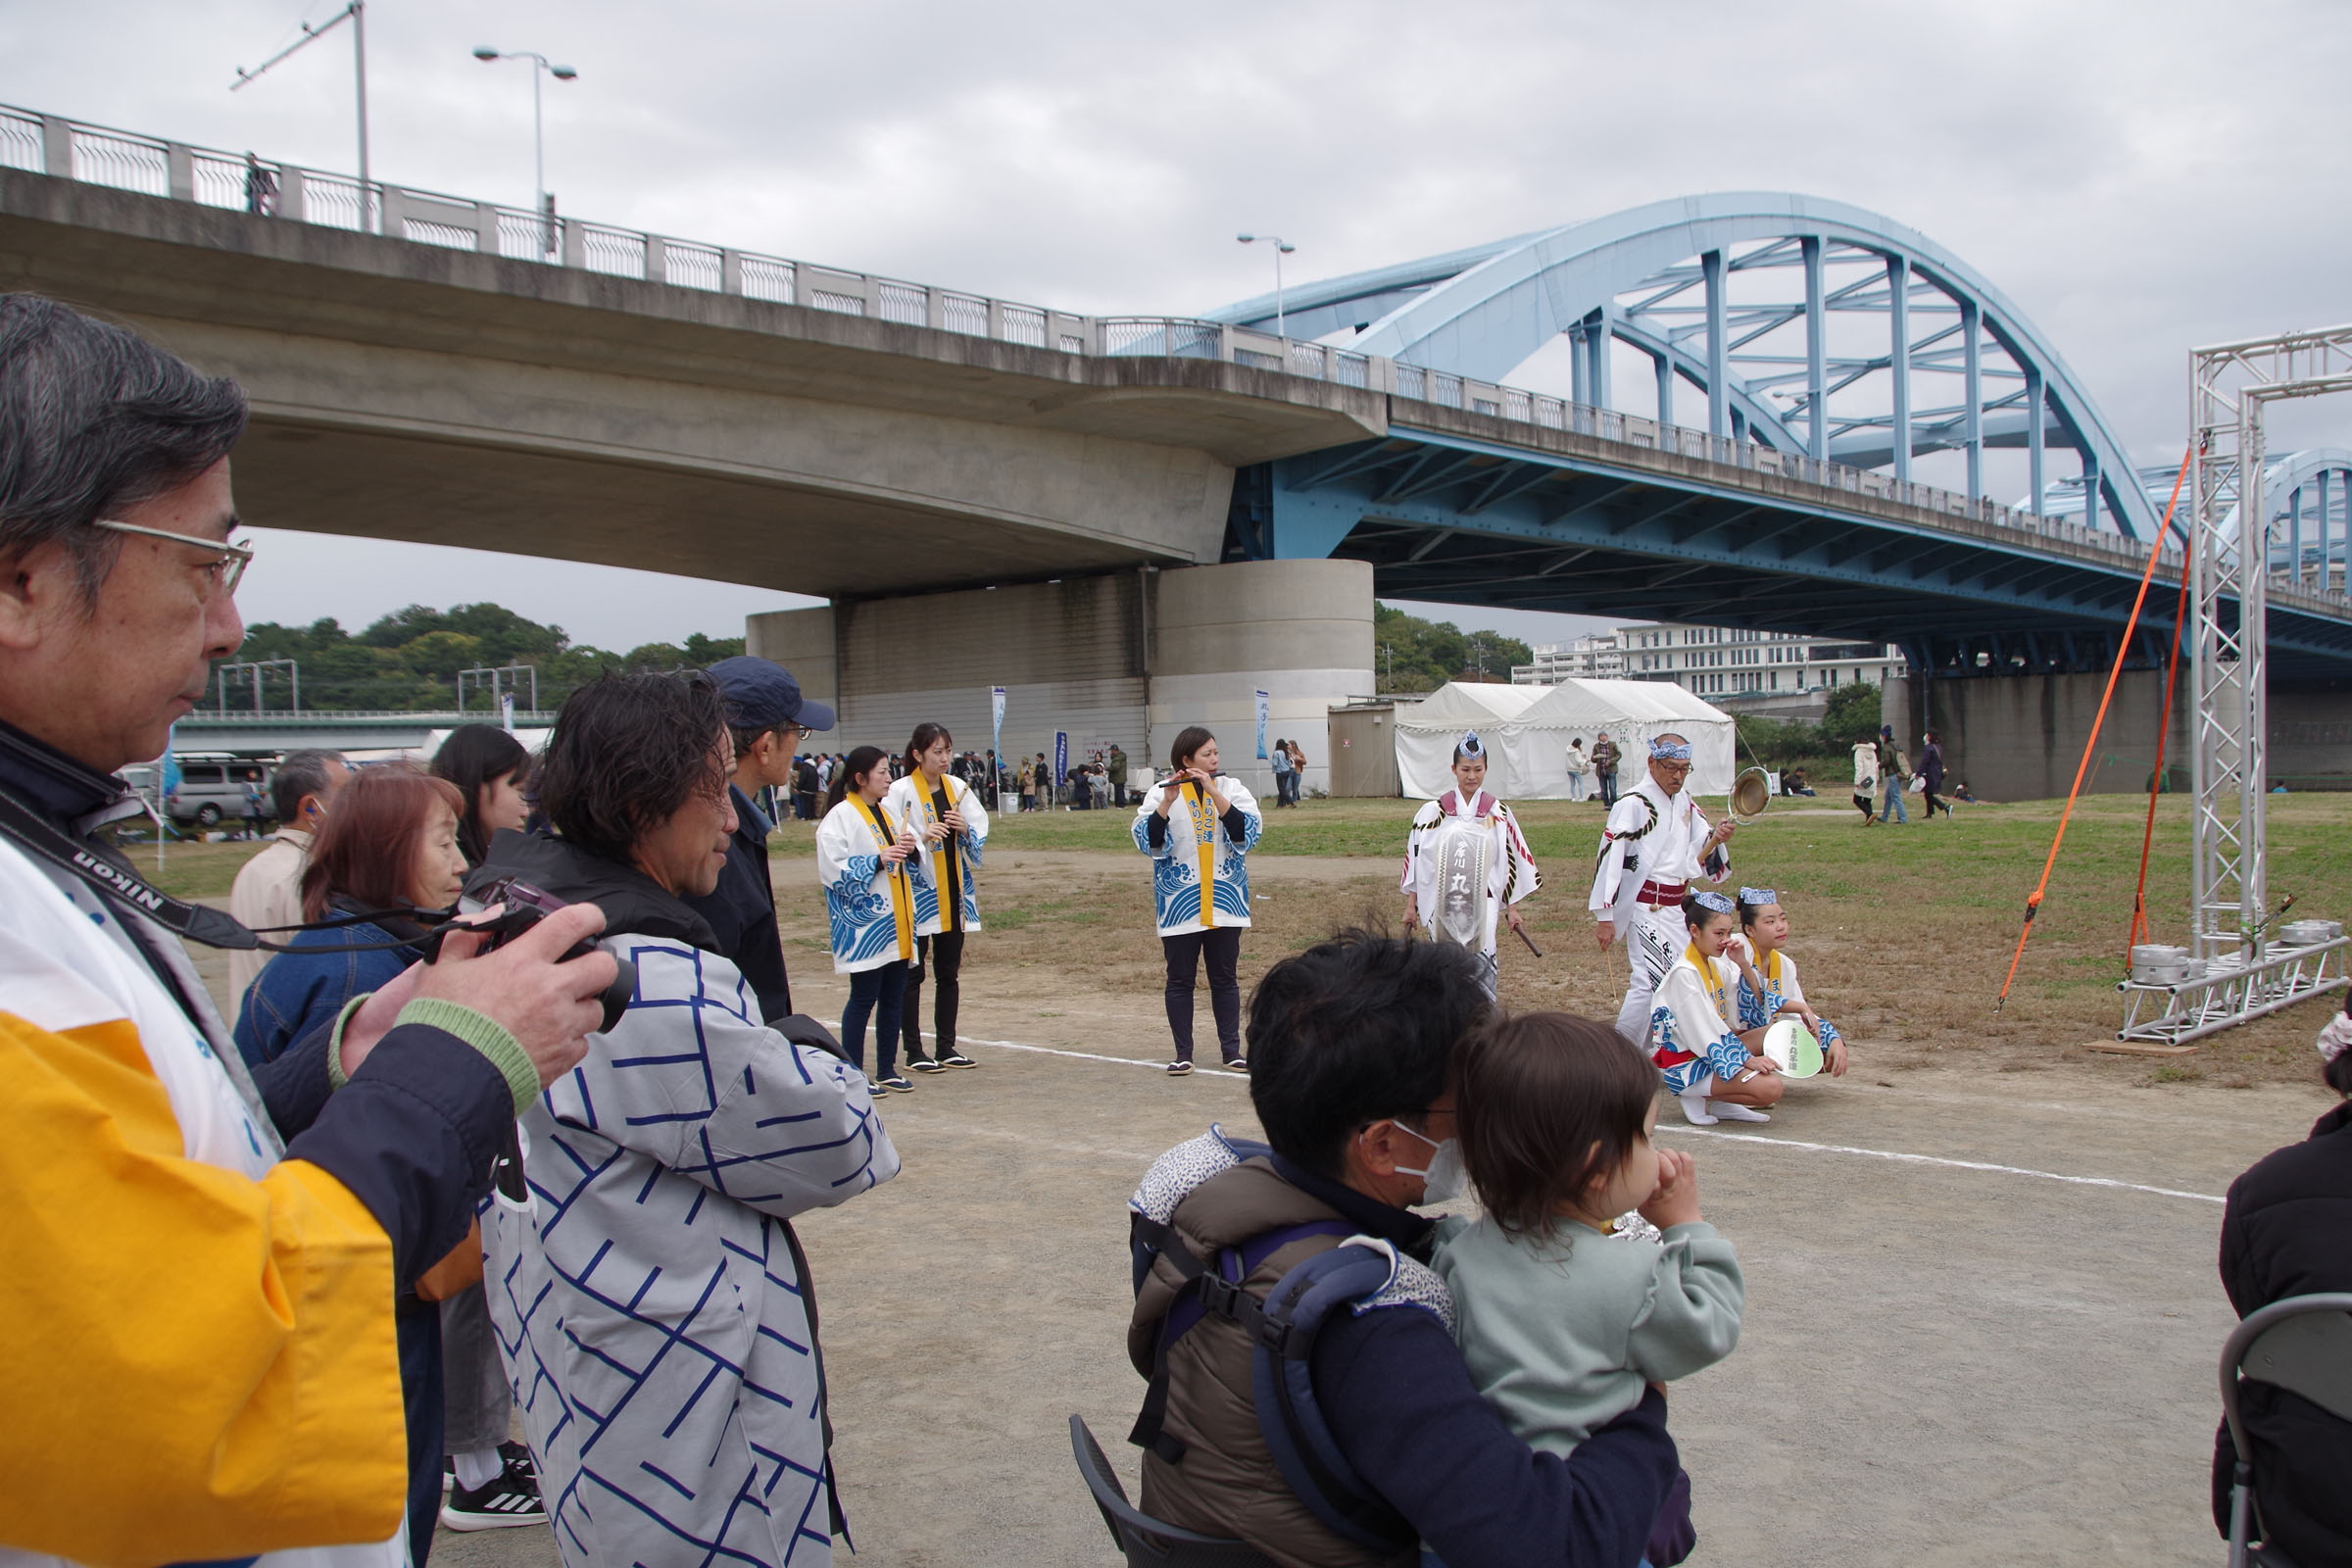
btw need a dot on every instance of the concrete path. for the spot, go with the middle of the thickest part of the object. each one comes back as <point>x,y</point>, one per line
<point>1942,1363</point>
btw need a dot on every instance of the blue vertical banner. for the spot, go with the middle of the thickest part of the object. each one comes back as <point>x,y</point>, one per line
<point>1262,753</point>
<point>995,731</point>
<point>505,710</point>
<point>1062,755</point>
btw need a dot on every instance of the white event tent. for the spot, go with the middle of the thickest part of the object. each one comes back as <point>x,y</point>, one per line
<point>1526,731</point>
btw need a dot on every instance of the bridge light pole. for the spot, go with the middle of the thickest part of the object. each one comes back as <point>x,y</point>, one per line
<point>356,13</point>
<point>1281,248</point>
<point>539,65</point>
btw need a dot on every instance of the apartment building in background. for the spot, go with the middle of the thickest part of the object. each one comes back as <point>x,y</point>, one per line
<point>1713,661</point>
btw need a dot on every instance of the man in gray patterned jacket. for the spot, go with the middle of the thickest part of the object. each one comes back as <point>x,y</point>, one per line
<point>655,1309</point>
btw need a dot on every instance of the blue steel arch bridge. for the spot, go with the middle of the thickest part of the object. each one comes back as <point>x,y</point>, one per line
<point>1782,344</point>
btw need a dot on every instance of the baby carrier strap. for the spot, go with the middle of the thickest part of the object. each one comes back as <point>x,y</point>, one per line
<point>1352,1272</point>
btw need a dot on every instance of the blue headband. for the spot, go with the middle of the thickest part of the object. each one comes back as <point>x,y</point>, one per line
<point>1758,896</point>
<point>1669,751</point>
<point>1470,750</point>
<point>1715,902</point>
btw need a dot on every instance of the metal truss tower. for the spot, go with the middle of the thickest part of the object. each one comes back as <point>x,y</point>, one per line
<point>2229,569</point>
<point>2243,971</point>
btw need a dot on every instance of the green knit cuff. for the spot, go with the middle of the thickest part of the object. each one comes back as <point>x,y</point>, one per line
<point>484,1035</point>
<point>336,1077</point>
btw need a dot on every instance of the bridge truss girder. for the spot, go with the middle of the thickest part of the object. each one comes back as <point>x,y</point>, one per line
<point>1770,305</point>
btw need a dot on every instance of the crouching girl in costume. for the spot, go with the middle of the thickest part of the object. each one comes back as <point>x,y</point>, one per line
<point>1712,1068</point>
<point>1466,867</point>
<point>1197,826</point>
<point>1763,933</point>
<point>947,818</point>
<point>869,864</point>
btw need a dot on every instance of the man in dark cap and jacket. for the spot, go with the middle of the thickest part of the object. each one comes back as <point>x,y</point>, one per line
<point>769,716</point>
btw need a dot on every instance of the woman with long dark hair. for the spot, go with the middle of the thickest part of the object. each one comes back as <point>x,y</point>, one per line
<point>1197,827</point>
<point>489,767</point>
<point>868,863</point>
<point>952,827</point>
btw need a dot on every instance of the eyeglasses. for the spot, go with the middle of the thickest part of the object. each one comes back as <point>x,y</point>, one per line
<point>228,562</point>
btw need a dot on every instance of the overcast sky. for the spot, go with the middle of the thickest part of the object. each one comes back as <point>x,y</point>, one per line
<point>2136,175</point>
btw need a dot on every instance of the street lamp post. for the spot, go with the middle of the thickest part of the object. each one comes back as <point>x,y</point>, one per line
<point>1281,248</point>
<point>539,64</point>
<point>356,13</point>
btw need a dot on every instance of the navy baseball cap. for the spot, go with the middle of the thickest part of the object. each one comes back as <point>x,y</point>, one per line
<point>761,694</point>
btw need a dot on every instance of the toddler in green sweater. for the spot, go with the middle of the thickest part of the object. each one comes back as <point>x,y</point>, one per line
<point>1561,1318</point>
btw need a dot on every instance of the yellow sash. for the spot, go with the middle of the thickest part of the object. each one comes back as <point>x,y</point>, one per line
<point>1204,837</point>
<point>947,917</point>
<point>1714,978</point>
<point>902,899</point>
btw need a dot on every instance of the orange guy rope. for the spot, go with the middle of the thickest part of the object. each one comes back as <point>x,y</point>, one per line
<point>2122,650</point>
<point>2163,730</point>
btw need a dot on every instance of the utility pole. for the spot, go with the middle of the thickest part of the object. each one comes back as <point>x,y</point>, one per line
<point>1281,248</point>
<point>356,13</point>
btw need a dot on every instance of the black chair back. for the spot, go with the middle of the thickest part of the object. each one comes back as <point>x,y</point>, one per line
<point>1145,1541</point>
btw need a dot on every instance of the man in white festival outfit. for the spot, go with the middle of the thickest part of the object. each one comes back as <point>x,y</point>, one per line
<point>1655,844</point>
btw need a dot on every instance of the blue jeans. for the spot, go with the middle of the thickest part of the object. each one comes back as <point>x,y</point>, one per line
<point>1893,810</point>
<point>876,992</point>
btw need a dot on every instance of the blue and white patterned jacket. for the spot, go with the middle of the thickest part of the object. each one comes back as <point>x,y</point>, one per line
<point>1197,852</point>
<point>862,895</point>
<point>645,1289</point>
<point>910,804</point>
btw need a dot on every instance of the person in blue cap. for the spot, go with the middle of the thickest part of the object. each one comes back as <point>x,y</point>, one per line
<point>769,716</point>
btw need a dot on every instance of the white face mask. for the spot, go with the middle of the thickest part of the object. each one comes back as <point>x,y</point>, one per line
<point>1445,1177</point>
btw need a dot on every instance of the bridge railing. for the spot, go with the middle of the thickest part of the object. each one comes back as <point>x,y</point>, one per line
<point>69,149</point>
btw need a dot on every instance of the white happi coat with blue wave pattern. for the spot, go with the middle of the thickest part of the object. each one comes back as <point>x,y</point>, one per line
<point>653,1317</point>
<point>859,906</point>
<point>909,803</point>
<point>1177,883</point>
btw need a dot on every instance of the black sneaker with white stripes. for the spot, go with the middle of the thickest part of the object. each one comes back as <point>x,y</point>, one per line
<point>509,1500</point>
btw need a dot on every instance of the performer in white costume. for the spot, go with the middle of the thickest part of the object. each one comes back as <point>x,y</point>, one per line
<point>1466,866</point>
<point>952,825</point>
<point>1655,844</point>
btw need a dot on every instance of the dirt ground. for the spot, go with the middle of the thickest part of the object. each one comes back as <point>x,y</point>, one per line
<point>1982,1314</point>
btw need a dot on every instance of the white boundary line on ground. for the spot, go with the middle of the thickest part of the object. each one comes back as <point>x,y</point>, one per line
<point>1707,1132</point>
<point>1938,1159</point>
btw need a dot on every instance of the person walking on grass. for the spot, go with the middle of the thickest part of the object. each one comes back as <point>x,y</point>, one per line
<point>1931,774</point>
<point>951,825</point>
<point>1197,827</point>
<point>1894,775</point>
<point>1866,780</point>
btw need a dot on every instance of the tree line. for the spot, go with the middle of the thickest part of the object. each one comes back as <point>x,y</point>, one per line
<point>409,662</point>
<point>1413,655</point>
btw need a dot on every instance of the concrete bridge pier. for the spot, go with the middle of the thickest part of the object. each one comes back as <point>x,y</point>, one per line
<point>1130,658</point>
<point>2020,737</point>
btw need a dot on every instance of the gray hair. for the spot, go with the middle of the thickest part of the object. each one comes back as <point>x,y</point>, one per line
<point>94,419</point>
<point>300,773</point>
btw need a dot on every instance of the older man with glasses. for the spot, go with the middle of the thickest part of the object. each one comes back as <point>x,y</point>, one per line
<point>199,1263</point>
<point>1655,844</point>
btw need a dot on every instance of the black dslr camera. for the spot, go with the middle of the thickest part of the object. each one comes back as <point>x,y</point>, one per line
<point>526,906</point>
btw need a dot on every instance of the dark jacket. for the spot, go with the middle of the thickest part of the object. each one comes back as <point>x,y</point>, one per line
<point>2285,1233</point>
<point>1931,767</point>
<point>1399,1399</point>
<point>631,900</point>
<point>742,910</point>
<point>301,991</point>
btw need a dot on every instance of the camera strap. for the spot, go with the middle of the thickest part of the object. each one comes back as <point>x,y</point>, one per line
<point>197,922</point>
